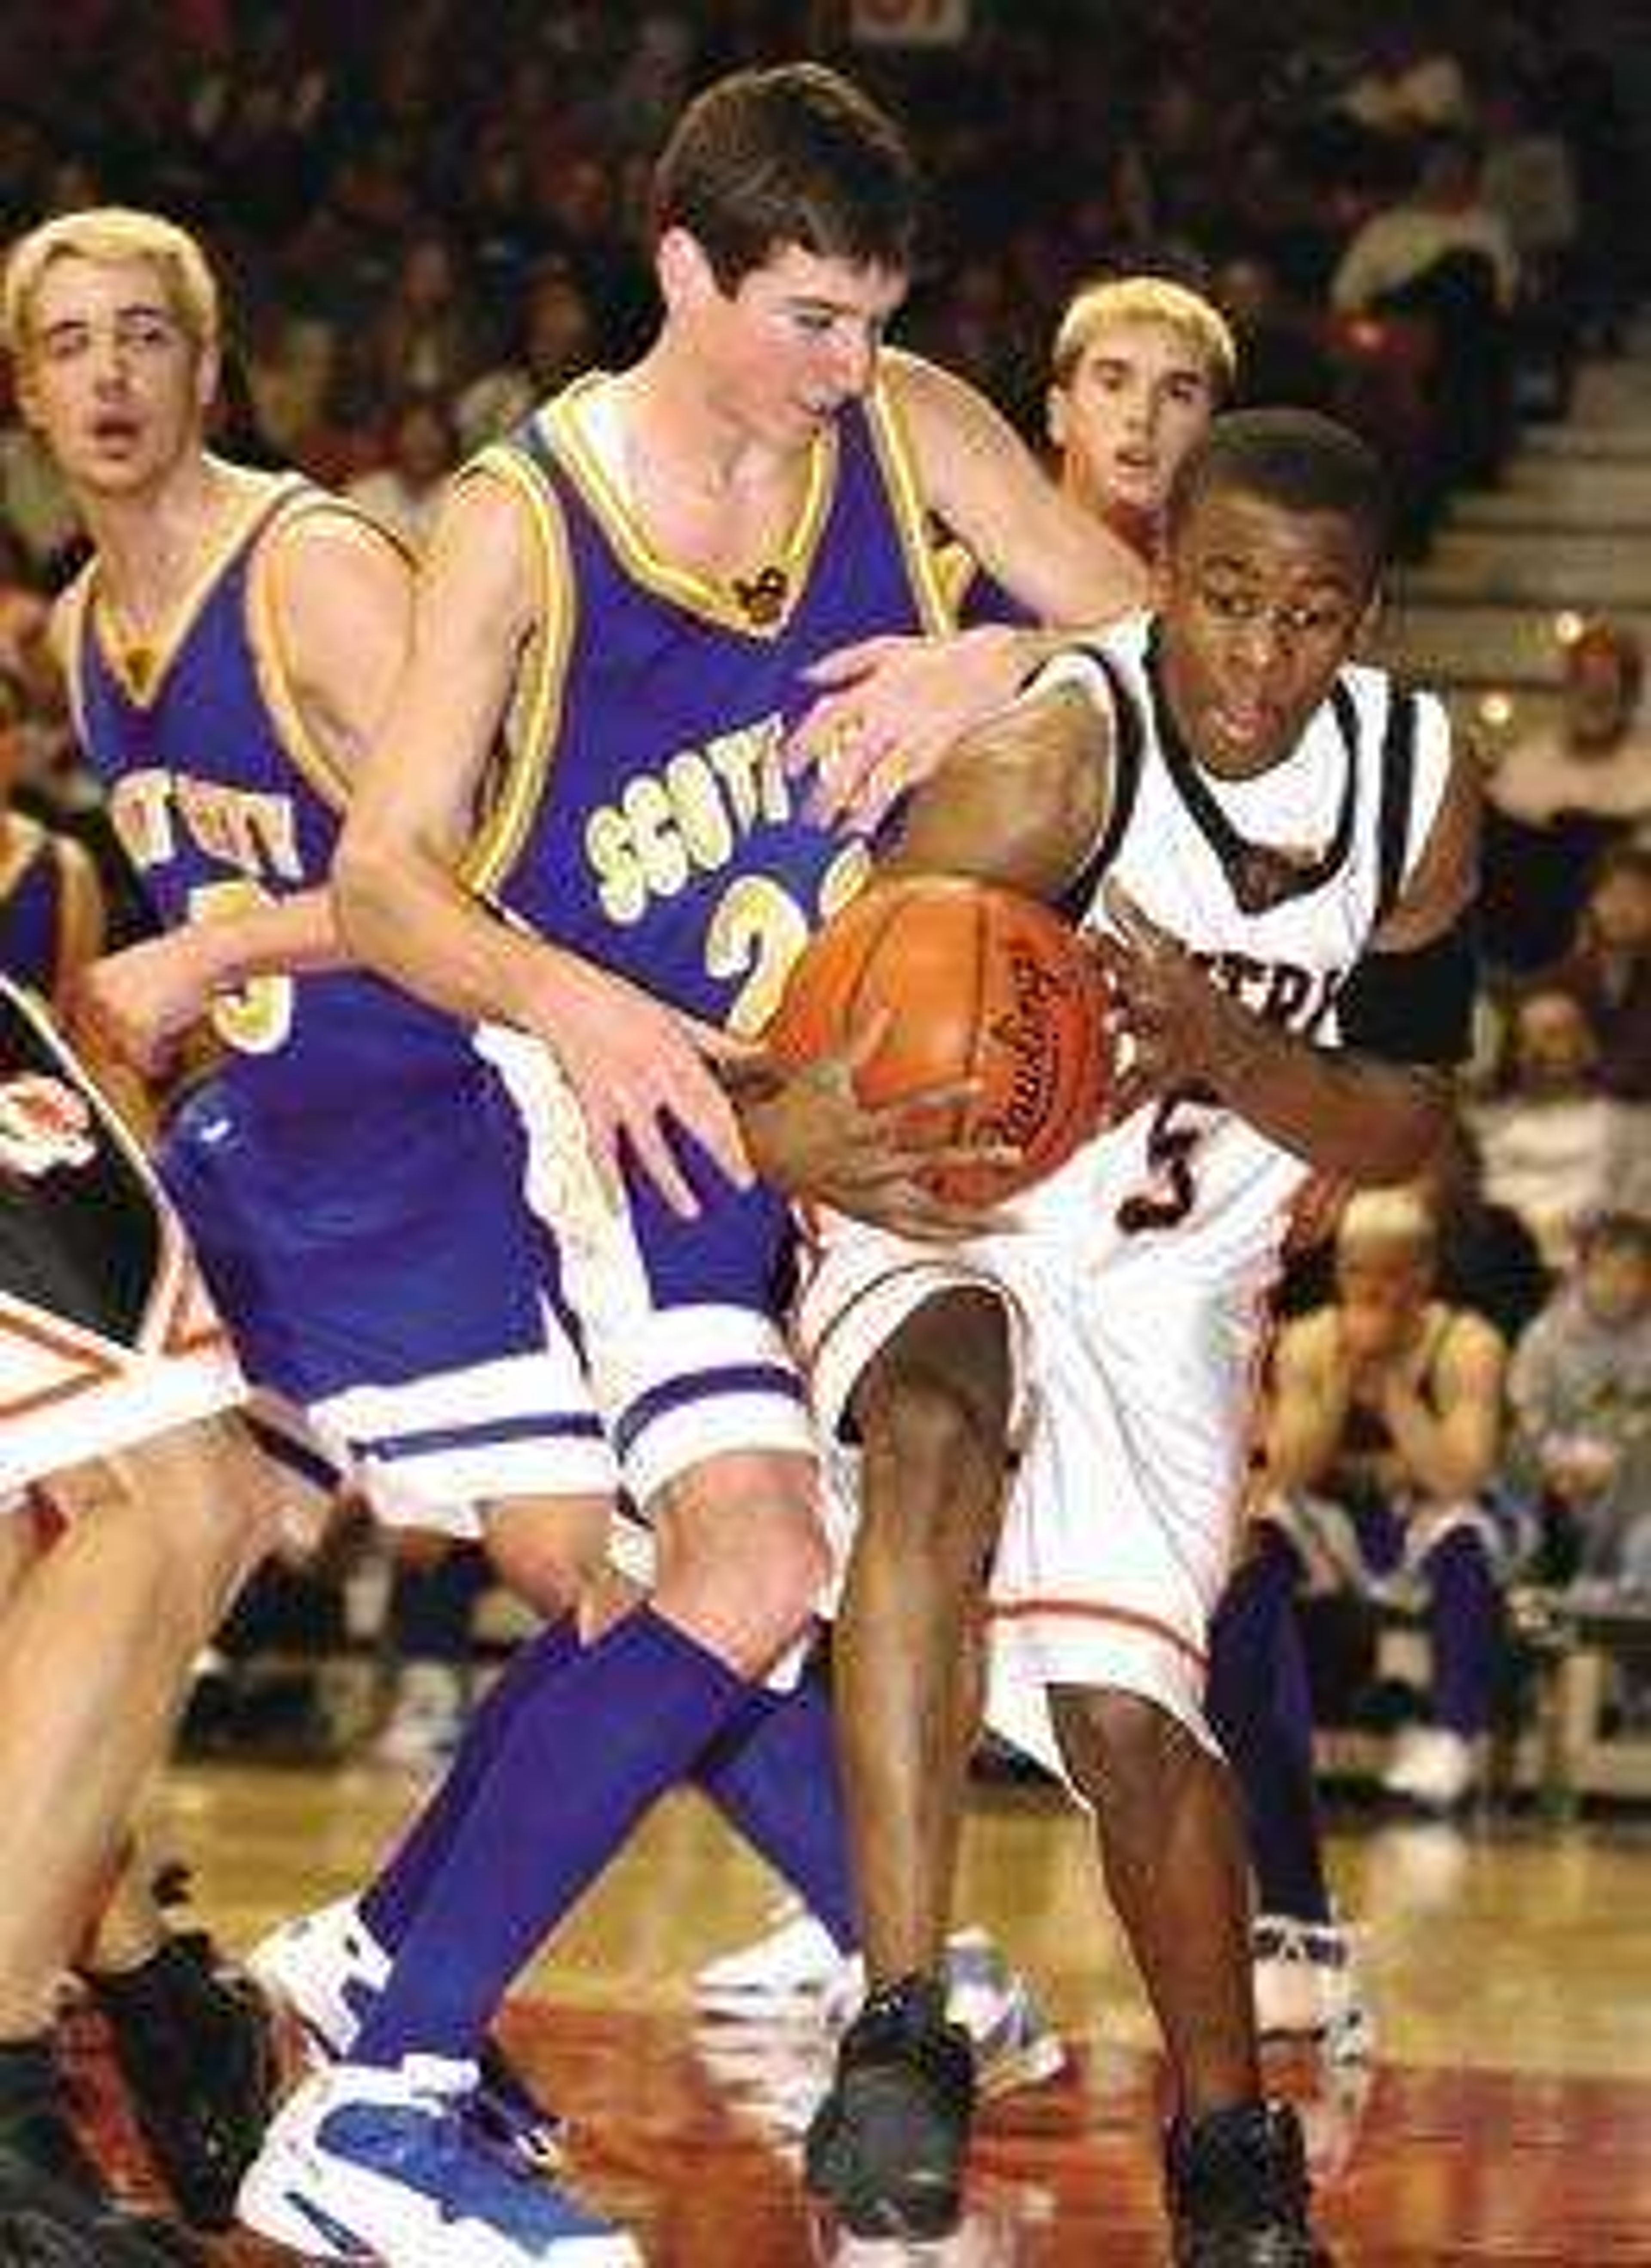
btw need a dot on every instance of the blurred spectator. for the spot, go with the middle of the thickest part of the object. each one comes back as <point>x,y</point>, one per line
<point>559,340</point>
<point>1609,971</point>
<point>1599,760</point>
<point>426,339</point>
<point>1529,179</point>
<point>34,506</point>
<point>406,493</point>
<point>1559,797</point>
<point>1441,254</point>
<point>1484,1257</point>
<point>1384,1433</point>
<point>1409,82</point>
<point>1581,1390</point>
<point>1282,356</point>
<point>1557,1147</point>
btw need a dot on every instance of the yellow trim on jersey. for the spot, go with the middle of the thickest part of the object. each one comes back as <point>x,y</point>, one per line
<point>955,568</point>
<point>560,426</point>
<point>531,733</point>
<point>75,605</point>
<point>893,444</point>
<point>82,921</point>
<point>270,657</point>
<point>143,687</point>
<point>21,844</point>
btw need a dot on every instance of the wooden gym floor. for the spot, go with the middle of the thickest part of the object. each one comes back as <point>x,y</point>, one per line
<point>1506,2118</point>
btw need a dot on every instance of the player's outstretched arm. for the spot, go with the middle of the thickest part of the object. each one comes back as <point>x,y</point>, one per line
<point>891,707</point>
<point>398,878</point>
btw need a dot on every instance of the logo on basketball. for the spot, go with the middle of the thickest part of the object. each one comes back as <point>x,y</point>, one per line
<point>44,1123</point>
<point>1030,1035</point>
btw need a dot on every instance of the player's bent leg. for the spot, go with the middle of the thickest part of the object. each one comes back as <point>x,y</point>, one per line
<point>887,2147</point>
<point>98,1652</point>
<point>1173,1855</point>
<point>932,1412</point>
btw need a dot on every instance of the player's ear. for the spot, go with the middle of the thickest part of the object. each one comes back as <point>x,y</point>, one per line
<point>685,273</point>
<point>209,369</point>
<point>1055,415</point>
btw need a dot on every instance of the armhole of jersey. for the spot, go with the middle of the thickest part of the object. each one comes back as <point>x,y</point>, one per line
<point>1128,747</point>
<point>300,745</point>
<point>28,840</point>
<point>529,733</point>
<point>77,617</point>
<point>81,921</point>
<point>892,442</point>
<point>1394,818</point>
<point>956,569</point>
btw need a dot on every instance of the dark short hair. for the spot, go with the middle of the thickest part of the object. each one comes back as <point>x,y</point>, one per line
<point>1296,459</point>
<point>794,155</point>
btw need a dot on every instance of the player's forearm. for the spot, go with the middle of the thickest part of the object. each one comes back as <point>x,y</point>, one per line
<point>1346,1114</point>
<point>287,937</point>
<point>407,917</point>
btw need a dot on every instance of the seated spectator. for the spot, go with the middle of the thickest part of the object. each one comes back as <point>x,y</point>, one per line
<point>1597,760</point>
<point>1556,1146</point>
<point>1581,1391</point>
<point>1441,254</point>
<point>1383,1434</point>
<point>1409,81</point>
<point>1559,798</point>
<point>426,338</point>
<point>1609,971</point>
<point>406,494</point>
<point>559,340</point>
<point>1485,1258</point>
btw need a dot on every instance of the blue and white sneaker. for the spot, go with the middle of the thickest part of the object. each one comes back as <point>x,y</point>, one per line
<point>794,1973</point>
<point>369,2165</point>
<point>327,1969</point>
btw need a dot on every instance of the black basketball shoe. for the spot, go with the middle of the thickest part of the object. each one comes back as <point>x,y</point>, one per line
<point>1235,2182</point>
<point>55,2210</point>
<point>196,2049</point>
<point>887,2146</point>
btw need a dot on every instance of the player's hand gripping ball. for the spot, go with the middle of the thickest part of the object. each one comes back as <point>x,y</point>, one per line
<point>977,983</point>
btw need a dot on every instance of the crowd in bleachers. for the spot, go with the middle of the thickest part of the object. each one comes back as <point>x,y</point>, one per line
<point>431,217</point>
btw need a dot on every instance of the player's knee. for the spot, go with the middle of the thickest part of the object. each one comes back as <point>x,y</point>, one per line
<point>548,1550</point>
<point>744,1561</point>
<point>1129,1756</point>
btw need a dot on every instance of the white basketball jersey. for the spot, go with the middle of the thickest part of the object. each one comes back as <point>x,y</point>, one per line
<point>1186,1185</point>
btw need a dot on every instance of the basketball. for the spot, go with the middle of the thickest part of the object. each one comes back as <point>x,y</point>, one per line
<point>979,983</point>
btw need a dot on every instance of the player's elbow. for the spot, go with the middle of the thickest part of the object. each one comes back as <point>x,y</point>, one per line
<point>1397,1132</point>
<point>366,879</point>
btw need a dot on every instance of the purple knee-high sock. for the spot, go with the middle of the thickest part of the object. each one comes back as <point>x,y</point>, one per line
<point>387,1905</point>
<point>587,1753</point>
<point>772,1773</point>
<point>1261,1707</point>
<point>1464,1619</point>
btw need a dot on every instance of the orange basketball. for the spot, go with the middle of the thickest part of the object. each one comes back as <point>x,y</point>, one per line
<point>980,984</point>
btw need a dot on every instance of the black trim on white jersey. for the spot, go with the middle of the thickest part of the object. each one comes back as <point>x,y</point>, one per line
<point>1260,876</point>
<point>1398,790</point>
<point>1129,738</point>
